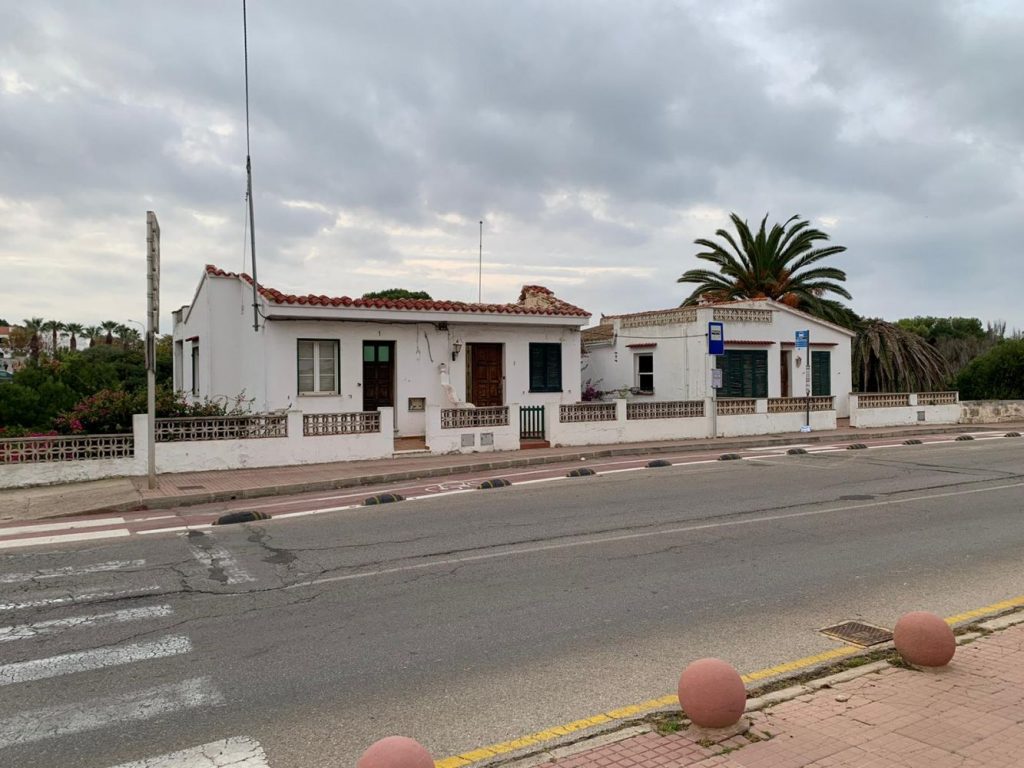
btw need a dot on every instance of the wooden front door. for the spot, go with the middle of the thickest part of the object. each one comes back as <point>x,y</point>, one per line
<point>486,371</point>
<point>378,375</point>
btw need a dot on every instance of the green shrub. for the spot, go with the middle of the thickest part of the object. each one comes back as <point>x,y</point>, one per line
<point>996,375</point>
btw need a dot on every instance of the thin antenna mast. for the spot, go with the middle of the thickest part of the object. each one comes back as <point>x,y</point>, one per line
<point>248,177</point>
<point>480,271</point>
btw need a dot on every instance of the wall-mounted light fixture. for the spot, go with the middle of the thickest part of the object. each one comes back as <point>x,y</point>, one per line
<point>456,348</point>
<point>799,361</point>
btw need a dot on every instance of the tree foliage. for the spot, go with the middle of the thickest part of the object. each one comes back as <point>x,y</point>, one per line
<point>996,375</point>
<point>782,263</point>
<point>42,390</point>
<point>889,358</point>
<point>397,293</point>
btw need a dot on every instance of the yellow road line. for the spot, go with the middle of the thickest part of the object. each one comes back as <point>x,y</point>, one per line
<point>636,710</point>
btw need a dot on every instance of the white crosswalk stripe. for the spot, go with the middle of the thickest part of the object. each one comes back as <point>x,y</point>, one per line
<point>67,587</point>
<point>239,752</point>
<point>76,717</point>
<point>55,626</point>
<point>97,658</point>
<point>75,599</point>
<point>214,556</point>
<point>71,570</point>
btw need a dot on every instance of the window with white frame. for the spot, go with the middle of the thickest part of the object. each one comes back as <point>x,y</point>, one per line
<point>643,372</point>
<point>318,366</point>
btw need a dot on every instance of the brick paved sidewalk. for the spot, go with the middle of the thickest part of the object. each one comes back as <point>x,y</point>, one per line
<point>970,715</point>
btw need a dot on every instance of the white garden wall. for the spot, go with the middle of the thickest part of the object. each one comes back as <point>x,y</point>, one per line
<point>471,439</point>
<point>877,410</point>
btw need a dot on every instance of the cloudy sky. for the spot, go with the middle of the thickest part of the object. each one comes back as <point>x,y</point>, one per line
<point>595,139</point>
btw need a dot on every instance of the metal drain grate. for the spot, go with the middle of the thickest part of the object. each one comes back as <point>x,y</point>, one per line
<point>858,633</point>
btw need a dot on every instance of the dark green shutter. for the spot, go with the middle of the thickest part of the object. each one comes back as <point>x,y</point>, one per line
<point>545,367</point>
<point>821,374</point>
<point>744,373</point>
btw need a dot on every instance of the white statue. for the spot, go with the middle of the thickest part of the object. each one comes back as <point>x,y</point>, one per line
<point>449,391</point>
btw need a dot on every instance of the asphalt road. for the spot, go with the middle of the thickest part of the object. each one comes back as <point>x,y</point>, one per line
<point>472,618</point>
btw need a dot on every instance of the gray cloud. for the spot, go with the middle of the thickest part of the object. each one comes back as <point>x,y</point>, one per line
<point>588,136</point>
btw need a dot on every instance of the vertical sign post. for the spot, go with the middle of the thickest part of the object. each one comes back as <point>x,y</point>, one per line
<point>152,328</point>
<point>716,347</point>
<point>803,341</point>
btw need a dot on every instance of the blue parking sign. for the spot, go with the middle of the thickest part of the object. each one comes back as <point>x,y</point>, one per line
<point>802,339</point>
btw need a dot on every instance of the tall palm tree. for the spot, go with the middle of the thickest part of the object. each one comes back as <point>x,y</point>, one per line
<point>129,336</point>
<point>92,332</point>
<point>53,327</point>
<point>888,358</point>
<point>34,325</point>
<point>781,264</point>
<point>74,331</point>
<point>109,326</point>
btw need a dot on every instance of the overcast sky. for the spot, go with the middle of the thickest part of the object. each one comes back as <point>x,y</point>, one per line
<point>595,139</point>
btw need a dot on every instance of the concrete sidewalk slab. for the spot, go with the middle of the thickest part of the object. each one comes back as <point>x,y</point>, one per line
<point>191,488</point>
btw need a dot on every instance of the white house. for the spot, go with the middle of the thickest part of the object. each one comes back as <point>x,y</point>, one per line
<point>322,354</point>
<point>663,355</point>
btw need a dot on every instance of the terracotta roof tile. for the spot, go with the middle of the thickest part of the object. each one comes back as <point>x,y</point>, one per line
<point>533,300</point>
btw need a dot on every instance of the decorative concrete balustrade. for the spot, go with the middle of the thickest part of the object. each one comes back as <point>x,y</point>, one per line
<point>664,409</point>
<point>188,445</point>
<point>358,423</point>
<point>800,404</point>
<point>471,430</point>
<point>581,413</point>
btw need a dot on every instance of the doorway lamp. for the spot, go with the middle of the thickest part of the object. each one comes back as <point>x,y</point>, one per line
<point>456,348</point>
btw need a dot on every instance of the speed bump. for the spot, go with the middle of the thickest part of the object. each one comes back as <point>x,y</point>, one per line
<point>581,472</point>
<point>659,463</point>
<point>383,498</point>
<point>961,438</point>
<point>796,451</point>
<point>496,482</point>
<point>856,447</point>
<point>729,457</point>
<point>248,516</point>
<point>1012,434</point>
<point>912,441</point>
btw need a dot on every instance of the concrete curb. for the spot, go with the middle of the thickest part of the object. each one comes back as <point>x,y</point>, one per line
<point>193,499</point>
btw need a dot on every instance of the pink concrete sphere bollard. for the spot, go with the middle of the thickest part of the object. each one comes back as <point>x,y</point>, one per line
<point>396,752</point>
<point>712,694</point>
<point>924,639</point>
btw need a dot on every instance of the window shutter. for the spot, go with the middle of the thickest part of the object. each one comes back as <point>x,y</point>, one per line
<point>821,374</point>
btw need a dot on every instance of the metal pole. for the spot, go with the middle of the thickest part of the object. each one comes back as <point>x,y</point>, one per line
<point>248,175</point>
<point>480,271</point>
<point>152,326</point>
<point>807,380</point>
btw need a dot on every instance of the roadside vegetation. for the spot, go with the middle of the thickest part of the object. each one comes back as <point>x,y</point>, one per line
<point>89,388</point>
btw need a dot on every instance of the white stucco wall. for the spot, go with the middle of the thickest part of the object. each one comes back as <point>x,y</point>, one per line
<point>682,366</point>
<point>903,416</point>
<point>59,472</point>
<point>502,438</point>
<point>234,358</point>
<point>270,451</point>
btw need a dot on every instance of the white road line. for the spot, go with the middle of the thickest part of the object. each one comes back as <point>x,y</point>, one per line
<point>176,528</point>
<point>35,541</point>
<point>48,602</point>
<point>55,626</point>
<point>644,535</point>
<point>76,717</point>
<point>97,658</point>
<point>214,556</point>
<point>71,570</point>
<point>41,527</point>
<point>238,752</point>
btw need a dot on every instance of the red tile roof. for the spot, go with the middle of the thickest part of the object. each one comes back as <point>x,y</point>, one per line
<point>745,342</point>
<point>533,300</point>
<point>643,345</point>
